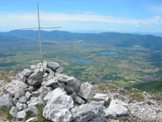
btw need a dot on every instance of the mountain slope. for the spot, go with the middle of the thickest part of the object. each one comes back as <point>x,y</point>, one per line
<point>108,38</point>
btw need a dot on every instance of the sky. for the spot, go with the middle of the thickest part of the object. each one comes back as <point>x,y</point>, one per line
<point>84,15</point>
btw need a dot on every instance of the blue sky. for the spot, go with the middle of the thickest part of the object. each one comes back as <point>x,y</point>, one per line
<point>84,15</point>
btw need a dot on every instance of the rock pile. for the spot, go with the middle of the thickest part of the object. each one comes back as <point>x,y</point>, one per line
<point>63,98</point>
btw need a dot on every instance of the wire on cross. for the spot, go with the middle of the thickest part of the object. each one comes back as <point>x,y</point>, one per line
<point>39,32</point>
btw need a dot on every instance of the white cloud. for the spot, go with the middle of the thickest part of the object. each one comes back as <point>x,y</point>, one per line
<point>156,9</point>
<point>19,20</point>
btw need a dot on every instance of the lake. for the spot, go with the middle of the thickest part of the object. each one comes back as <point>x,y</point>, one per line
<point>107,52</point>
<point>7,64</point>
<point>2,55</point>
<point>78,60</point>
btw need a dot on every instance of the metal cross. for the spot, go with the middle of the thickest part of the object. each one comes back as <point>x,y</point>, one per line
<point>39,32</point>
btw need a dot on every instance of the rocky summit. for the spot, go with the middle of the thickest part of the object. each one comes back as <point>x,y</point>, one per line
<point>44,91</point>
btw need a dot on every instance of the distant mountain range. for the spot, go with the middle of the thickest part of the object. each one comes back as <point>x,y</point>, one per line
<point>107,38</point>
<point>158,34</point>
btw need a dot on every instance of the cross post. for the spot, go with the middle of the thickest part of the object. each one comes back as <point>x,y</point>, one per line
<point>39,32</point>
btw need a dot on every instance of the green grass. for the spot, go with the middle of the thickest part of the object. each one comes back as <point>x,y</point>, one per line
<point>137,95</point>
<point>40,117</point>
<point>102,87</point>
<point>5,113</point>
<point>130,65</point>
<point>153,86</point>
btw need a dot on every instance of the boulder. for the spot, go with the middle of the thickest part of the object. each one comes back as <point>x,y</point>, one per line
<point>117,108</point>
<point>71,84</point>
<point>53,65</point>
<point>79,100</point>
<point>35,101</point>
<point>21,114</point>
<point>35,93</point>
<point>31,88</point>
<point>20,77</point>
<point>59,70</point>
<point>22,99</point>
<point>36,77</point>
<point>69,89</point>
<point>19,106</point>
<point>15,88</point>
<point>28,95</point>
<point>5,101</point>
<point>50,74</point>
<point>53,83</point>
<point>60,102</point>
<point>50,82</point>
<point>44,91</point>
<point>24,106</point>
<point>45,75</point>
<point>86,91</point>
<point>102,97</point>
<point>58,105</point>
<point>13,111</point>
<point>32,119</point>
<point>98,102</point>
<point>33,110</point>
<point>14,100</point>
<point>33,67</point>
<point>55,93</point>
<point>26,72</point>
<point>59,115</point>
<point>88,113</point>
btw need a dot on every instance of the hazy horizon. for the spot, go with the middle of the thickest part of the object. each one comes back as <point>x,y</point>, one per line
<point>84,16</point>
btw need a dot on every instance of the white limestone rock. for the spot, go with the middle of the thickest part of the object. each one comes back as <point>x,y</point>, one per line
<point>5,101</point>
<point>21,115</point>
<point>32,119</point>
<point>19,106</point>
<point>36,77</point>
<point>50,82</point>
<point>88,113</point>
<point>58,105</point>
<point>53,65</point>
<point>15,88</point>
<point>102,97</point>
<point>28,95</point>
<point>59,115</point>
<point>117,108</point>
<point>32,109</point>
<point>79,100</point>
<point>13,111</point>
<point>26,72</point>
<point>86,91</point>
<point>35,101</point>
<point>55,93</point>
<point>22,99</point>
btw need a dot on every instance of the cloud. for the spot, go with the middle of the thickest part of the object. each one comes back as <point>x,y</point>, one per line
<point>156,9</point>
<point>19,20</point>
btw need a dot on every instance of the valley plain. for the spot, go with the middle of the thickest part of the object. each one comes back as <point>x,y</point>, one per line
<point>127,60</point>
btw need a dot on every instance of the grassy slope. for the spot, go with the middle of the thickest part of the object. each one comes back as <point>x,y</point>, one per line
<point>153,86</point>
